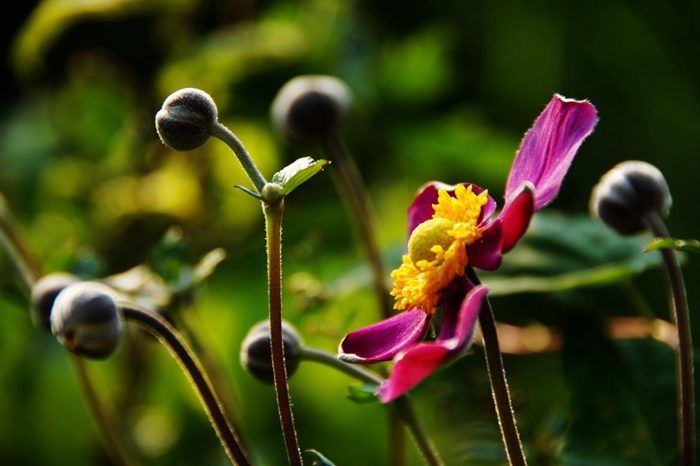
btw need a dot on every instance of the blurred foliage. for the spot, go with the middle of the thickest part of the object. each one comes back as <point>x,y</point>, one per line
<point>443,90</point>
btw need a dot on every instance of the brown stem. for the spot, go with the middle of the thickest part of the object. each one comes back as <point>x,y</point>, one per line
<point>499,384</point>
<point>163,331</point>
<point>273,226</point>
<point>112,440</point>
<point>686,395</point>
<point>352,191</point>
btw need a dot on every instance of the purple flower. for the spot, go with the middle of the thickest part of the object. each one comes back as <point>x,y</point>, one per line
<point>449,229</point>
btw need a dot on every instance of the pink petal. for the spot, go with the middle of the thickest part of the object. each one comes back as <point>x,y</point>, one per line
<point>516,216</point>
<point>384,340</point>
<point>422,210</point>
<point>417,363</point>
<point>549,147</point>
<point>485,253</point>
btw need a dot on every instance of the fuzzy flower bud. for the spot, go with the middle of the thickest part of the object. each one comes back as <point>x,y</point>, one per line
<point>44,294</point>
<point>256,353</point>
<point>309,108</point>
<point>86,320</point>
<point>182,123</point>
<point>628,192</point>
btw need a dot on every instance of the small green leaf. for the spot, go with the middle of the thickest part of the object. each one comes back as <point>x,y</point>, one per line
<point>320,460</point>
<point>248,191</point>
<point>295,174</point>
<point>364,394</point>
<point>689,245</point>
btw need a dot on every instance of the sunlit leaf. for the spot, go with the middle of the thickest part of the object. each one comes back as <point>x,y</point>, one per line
<point>690,245</point>
<point>298,172</point>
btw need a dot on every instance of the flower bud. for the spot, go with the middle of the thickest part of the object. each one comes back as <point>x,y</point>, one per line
<point>183,122</point>
<point>44,294</point>
<point>627,193</point>
<point>256,353</point>
<point>309,108</point>
<point>271,192</point>
<point>86,320</point>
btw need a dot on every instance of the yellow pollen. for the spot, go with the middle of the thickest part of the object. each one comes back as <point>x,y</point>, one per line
<point>437,250</point>
<point>428,234</point>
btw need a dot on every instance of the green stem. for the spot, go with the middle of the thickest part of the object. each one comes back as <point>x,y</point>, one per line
<point>352,190</point>
<point>116,450</point>
<point>14,247</point>
<point>163,331</point>
<point>218,130</point>
<point>402,405</point>
<point>686,395</point>
<point>499,384</point>
<point>273,227</point>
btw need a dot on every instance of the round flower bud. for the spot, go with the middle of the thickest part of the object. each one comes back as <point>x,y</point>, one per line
<point>256,353</point>
<point>629,191</point>
<point>183,122</point>
<point>86,320</point>
<point>271,192</point>
<point>44,294</point>
<point>309,108</point>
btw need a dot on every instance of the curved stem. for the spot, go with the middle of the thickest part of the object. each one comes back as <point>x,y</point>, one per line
<point>14,247</point>
<point>352,190</point>
<point>499,384</point>
<point>184,320</point>
<point>167,335</point>
<point>116,450</point>
<point>220,131</point>
<point>402,405</point>
<point>686,395</point>
<point>273,228</point>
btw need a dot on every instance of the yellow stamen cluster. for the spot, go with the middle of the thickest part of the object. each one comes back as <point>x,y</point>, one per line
<point>420,284</point>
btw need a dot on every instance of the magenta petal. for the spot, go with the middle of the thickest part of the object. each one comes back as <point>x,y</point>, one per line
<point>384,340</point>
<point>452,305</point>
<point>549,147</point>
<point>422,210</point>
<point>485,253</point>
<point>516,216</point>
<point>419,362</point>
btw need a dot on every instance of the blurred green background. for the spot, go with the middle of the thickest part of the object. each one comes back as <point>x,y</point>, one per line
<point>443,91</point>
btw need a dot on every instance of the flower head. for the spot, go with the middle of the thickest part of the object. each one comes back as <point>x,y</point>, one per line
<point>450,228</point>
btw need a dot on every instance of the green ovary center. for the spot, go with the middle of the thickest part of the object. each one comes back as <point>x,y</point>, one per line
<point>428,234</point>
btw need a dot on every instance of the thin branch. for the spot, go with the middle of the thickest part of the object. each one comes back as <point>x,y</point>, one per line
<point>499,384</point>
<point>686,395</point>
<point>163,331</point>
<point>273,227</point>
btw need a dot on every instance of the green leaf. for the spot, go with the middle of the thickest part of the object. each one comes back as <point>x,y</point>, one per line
<point>364,394</point>
<point>249,191</point>
<point>622,408</point>
<point>689,245</point>
<point>298,172</point>
<point>562,252</point>
<point>320,460</point>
